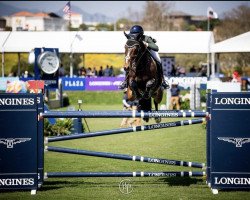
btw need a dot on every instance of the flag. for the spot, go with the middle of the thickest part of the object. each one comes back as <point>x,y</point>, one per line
<point>67,9</point>
<point>78,37</point>
<point>211,14</point>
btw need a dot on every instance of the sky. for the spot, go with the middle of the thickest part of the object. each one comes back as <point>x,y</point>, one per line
<point>118,9</point>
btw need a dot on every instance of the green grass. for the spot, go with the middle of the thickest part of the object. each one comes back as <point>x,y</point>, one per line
<point>181,143</point>
<point>100,98</point>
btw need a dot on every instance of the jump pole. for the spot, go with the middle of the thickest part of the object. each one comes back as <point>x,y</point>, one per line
<point>125,130</point>
<point>125,157</point>
<point>122,114</point>
<point>123,174</point>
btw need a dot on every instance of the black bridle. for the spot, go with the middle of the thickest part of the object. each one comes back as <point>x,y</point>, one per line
<point>135,63</point>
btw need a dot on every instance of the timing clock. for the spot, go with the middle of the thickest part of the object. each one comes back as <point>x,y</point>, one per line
<point>48,62</point>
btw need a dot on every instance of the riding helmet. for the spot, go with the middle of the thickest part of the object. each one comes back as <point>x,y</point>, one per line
<point>136,31</point>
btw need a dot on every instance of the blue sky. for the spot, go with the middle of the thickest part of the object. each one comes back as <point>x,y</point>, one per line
<point>118,8</point>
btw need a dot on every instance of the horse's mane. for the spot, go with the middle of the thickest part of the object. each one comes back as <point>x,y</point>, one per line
<point>131,43</point>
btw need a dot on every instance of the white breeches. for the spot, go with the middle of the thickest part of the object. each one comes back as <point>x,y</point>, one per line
<point>155,54</point>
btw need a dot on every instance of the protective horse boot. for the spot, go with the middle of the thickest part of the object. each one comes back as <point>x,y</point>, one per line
<point>124,83</point>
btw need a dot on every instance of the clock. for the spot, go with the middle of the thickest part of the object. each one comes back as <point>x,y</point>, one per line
<point>48,62</point>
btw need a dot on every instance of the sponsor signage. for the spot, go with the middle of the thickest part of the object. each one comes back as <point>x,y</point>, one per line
<point>5,80</point>
<point>73,83</point>
<point>18,141</point>
<point>230,140</point>
<point>103,83</point>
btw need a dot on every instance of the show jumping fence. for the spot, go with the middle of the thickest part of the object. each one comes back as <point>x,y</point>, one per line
<point>226,135</point>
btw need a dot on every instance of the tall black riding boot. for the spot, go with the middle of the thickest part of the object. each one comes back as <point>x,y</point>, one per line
<point>160,70</point>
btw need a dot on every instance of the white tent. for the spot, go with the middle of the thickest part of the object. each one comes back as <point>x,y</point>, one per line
<point>105,41</point>
<point>240,43</point>
<point>4,37</point>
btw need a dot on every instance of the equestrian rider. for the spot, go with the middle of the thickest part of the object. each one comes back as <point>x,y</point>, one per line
<point>137,33</point>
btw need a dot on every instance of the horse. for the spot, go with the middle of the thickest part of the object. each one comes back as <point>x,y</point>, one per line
<point>143,79</point>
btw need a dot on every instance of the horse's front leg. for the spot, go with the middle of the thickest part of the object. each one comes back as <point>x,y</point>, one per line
<point>149,88</point>
<point>134,87</point>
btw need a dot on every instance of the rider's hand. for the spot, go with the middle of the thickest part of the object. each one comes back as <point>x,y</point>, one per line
<point>145,43</point>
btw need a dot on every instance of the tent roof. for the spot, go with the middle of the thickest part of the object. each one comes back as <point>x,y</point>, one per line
<point>105,41</point>
<point>240,43</point>
<point>3,37</point>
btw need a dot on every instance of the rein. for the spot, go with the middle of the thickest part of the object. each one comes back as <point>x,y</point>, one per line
<point>135,63</point>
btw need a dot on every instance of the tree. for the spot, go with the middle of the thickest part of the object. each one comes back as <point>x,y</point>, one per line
<point>65,60</point>
<point>123,24</point>
<point>235,22</point>
<point>104,27</point>
<point>83,27</point>
<point>156,15</point>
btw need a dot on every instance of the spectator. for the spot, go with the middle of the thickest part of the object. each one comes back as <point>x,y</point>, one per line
<point>129,105</point>
<point>83,72</point>
<point>192,69</point>
<point>94,72</point>
<point>106,71</point>
<point>100,72</point>
<point>175,96</point>
<point>173,71</point>
<point>236,77</point>
<point>89,72</point>
<point>202,70</point>
<point>111,71</point>
<point>26,74</point>
<point>181,71</point>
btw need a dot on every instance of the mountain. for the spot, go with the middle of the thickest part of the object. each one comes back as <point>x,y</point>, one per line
<point>6,10</point>
<point>96,17</point>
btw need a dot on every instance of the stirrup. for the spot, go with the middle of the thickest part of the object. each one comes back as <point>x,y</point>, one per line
<point>164,85</point>
<point>123,85</point>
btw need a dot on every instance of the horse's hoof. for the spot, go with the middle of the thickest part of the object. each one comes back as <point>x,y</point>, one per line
<point>158,119</point>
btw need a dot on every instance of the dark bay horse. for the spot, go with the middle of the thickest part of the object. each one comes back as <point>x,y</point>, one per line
<point>144,82</point>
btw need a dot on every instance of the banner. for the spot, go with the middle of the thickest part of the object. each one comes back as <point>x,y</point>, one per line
<point>73,84</point>
<point>4,80</point>
<point>103,83</point>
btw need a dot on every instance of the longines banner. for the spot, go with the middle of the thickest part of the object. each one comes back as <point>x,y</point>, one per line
<point>230,140</point>
<point>104,83</point>
<point>18,141</point>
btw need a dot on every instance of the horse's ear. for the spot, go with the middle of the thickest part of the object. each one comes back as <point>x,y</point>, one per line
<point>127,36</point>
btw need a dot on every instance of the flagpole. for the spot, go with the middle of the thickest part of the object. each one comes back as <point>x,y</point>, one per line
<point>208,23</point>
<point>208,56</point>
<point>70,16</point>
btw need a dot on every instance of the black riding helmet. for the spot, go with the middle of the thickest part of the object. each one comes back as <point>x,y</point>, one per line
<point>136,32</point>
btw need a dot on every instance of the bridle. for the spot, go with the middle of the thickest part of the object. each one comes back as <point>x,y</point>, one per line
<point>134,64</point>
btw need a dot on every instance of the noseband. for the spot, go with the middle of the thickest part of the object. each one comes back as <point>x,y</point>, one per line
<point>132,44</point>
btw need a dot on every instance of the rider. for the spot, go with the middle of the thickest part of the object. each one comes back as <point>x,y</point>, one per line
<point>137,33</point>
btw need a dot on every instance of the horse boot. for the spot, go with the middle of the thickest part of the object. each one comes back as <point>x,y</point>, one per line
<point>124,84</point>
